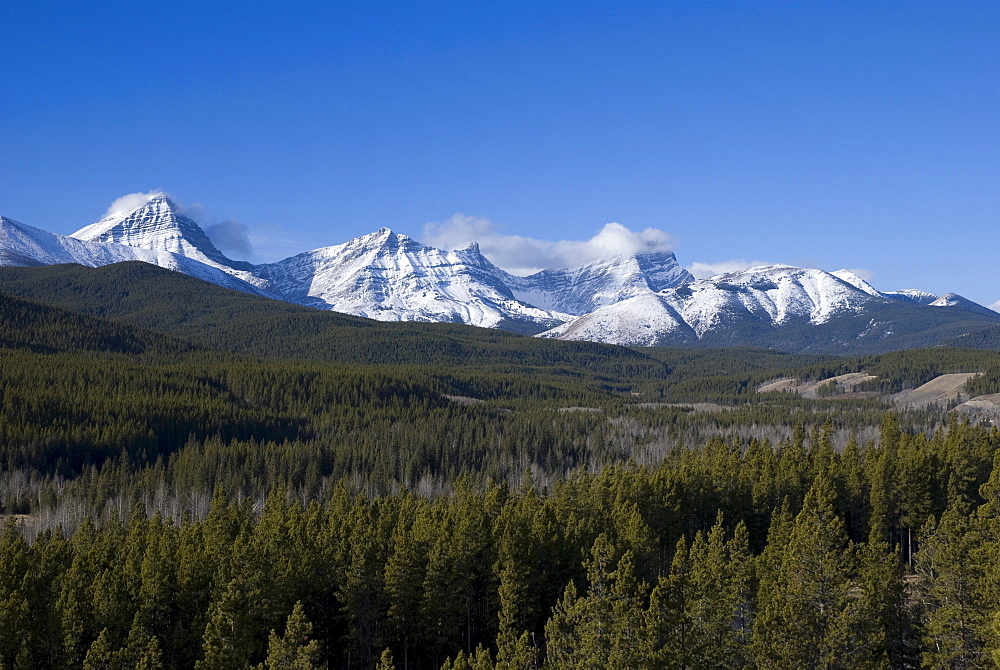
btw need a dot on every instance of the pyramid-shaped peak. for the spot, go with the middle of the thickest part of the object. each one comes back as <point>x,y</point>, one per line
<point>386,237</point>
<point>152,221</point>
<point>160,200</point>
<point>133,202</point>
<point>137,213</point>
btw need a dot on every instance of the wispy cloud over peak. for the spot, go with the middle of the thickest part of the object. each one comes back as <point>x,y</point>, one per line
<point>523,255</point>
<point>231,237</point>
<point>128,202</point>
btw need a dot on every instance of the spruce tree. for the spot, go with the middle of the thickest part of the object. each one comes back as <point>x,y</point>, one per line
<point>604,628</point>
<point>294,650</point>
<point>810,610</point>
<point>952,579</point>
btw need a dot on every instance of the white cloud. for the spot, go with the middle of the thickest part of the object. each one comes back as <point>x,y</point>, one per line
<point>706,270</point>
<point>995,306</point>
<point>231,237</point>
<point>523,255</point>
<point>127,203</point>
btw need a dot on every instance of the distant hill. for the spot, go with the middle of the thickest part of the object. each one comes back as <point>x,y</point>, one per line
<point>150,297</point>
<point>40,328</point>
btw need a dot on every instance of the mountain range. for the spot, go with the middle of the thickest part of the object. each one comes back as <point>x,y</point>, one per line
<point>645,299</point>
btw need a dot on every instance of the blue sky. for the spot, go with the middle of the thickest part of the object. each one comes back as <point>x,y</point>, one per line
<point>827,134</point>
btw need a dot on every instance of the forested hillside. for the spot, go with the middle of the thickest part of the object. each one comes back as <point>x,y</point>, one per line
<point>178,495</point>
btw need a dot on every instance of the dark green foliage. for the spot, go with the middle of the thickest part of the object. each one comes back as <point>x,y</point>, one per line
<point>43,329</point>
<point>491,569</point>
<point>188,508</point>
<point>153,298</point>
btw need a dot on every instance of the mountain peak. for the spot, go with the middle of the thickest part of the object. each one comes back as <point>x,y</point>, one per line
<point>955,300</point>
<point>857,282</point>
<point>152,221</point>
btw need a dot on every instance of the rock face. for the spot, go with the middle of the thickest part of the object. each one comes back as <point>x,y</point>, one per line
<point>158,225</point>
<point>391,277</point>
<point>638,300</point>
<point>24,245</point>
<point>581,290</point>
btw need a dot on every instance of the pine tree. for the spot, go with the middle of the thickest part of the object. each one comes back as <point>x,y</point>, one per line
<point>151,657</point>
<point>294,650</point>
<point>361,591</point>
<point>808,612</point>
<point>228,643</point>
<point>957,621</point>
<point>669,621</point>
<point>604,628</point>
<point>100,656</point>
<point>404,576</point>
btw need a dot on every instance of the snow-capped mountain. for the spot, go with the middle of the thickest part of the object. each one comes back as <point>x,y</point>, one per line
<point>391,277</point>
<point>767,295</point>
<point>641,299</point>
<point>909,295</point>
<point>584,289</point>
<point>912,295</point>
<point>159,225</point>
<point>955,300</point>
<point>763,305</point>
<point>25,245</point>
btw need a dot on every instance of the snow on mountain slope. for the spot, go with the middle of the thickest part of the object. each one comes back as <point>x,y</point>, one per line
<point>770,295</point>
<point>955,300</point>
<point>584,289</point>
<point>641,321</point>
<point>774,292</point>
<point>647,298</point>
<point>912,295</point>
<point>159,225</point>
<point>24,245</point>
<point>391,277</point>
<point>857,282</point>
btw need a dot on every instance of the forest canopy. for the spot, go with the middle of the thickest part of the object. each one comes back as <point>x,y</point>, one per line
<point>495,502</point>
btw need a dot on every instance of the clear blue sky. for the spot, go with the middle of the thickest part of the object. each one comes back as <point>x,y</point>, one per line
<point>828,134</point>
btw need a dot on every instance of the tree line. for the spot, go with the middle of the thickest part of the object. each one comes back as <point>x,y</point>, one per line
<point>730,554</point>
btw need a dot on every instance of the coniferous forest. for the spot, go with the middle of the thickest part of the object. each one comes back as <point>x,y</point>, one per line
<point>177,494</point>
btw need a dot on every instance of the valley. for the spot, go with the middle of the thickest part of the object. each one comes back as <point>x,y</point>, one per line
<point>186,469</point>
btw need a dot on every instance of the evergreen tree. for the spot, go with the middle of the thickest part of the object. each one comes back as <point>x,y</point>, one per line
<point>294,650</point>
<point>100,656</point>
<point>404,576</point>
<point>228,641</point>
<point>604,628</point>
<point>957,621</point>
<point>807,618</point>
